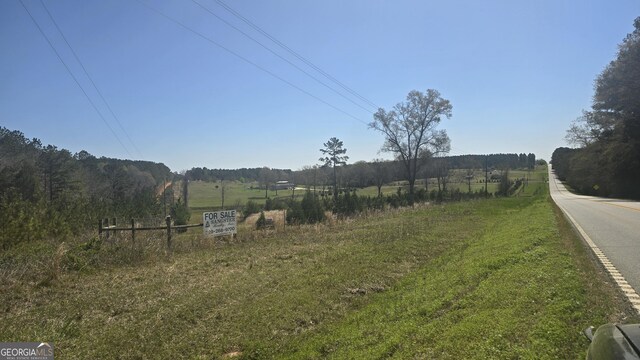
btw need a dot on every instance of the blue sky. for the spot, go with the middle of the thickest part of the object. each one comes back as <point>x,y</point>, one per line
<point>516,72</point>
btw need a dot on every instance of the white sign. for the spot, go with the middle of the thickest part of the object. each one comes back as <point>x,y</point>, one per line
<point>219,223</point>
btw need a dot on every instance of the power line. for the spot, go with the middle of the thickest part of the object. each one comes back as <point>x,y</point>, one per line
<point>90,79</point>
<point>292,52</point>
<point>74,78</point>
<point>278,55</point>
<point>249,61</point>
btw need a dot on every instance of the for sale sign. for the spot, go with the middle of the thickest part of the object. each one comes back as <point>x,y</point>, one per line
<point>219,223</point>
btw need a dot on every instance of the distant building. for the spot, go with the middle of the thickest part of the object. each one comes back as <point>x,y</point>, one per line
<point>282,185</point>
<point>495,175</point>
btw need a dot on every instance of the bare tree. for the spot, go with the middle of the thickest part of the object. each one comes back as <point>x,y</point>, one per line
<point>469,177</point>
<point>314,174</point>
<point>335,156</point>
<point>592,126</point>
<point>381,174</point>
<point>364,173</point>
<point>410,130</point>
<point>442,174</point>
<point>358,174</point>
<point>265,176</point>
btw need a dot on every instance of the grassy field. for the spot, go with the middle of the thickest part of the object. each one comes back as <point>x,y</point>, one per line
<point>497,278</point>
<point>205,196</point>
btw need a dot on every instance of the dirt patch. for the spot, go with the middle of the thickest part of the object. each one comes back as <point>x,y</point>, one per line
<point>232,355</point>
<point>161,188</point>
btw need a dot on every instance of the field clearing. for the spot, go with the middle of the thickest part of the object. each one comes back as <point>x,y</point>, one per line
<point>507,276</point>
<point>207,196</point>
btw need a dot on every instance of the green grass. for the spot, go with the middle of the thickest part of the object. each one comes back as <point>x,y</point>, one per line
<point>207,196</point>
<point>433,185</point>
<point>512,292</point>
<point>498,278</point>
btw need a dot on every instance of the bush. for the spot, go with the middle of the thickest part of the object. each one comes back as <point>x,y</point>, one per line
<point>350,203</point>
<point>20,221</point>
<point>180,214</point>
<point>262,221</point>
<point>308,211</point>
<point>251,207</point>
<point>312,208</point>
<point>275,204</point>
<point>295,215</point>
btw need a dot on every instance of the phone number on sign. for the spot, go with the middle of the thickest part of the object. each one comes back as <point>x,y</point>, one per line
<point>224,230</point>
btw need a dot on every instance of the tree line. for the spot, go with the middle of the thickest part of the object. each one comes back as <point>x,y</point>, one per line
<point>412,136</point>
<point>606,160</point>
<point>360,174</point>
<point>242,174</point>
<point>46,191</point>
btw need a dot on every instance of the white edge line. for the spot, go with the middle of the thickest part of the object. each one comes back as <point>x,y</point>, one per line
<point>631,294</point>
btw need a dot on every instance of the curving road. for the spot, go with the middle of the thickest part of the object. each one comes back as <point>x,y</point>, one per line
<point>613,225</point>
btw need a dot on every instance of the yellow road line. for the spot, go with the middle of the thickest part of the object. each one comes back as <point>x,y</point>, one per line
<point>618,205</point>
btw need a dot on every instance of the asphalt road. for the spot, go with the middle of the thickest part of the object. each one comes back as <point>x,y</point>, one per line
<point>613,225</point>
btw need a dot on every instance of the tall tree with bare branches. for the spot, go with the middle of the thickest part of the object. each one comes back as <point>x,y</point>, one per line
<point>410,130</point>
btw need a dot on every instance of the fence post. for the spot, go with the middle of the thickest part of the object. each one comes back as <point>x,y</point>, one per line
<point>168,220</point>
<point>107,225</point>
<point>133,231</point>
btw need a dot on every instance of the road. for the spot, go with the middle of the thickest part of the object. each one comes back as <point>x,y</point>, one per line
<point>613,225</point>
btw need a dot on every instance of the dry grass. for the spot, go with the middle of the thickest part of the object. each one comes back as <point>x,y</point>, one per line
<point>222,294</point>
<point>278,217</point>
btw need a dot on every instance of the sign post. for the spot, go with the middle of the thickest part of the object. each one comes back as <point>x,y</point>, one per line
<point>219,223</point>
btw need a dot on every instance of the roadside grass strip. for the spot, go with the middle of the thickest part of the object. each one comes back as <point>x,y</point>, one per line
<point>513,292</point>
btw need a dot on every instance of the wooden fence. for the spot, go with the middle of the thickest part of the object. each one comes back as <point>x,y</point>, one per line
<point>104,227</point>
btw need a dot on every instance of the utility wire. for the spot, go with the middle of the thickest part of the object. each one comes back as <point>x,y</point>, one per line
<point>280,56</point>
<point>292,52</point>
<point>249,61</point>
<point>74,78</point>
<point>90,79</point>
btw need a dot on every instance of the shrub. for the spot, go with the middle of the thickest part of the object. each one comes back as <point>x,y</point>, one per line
<point>308,211</point>
<point>180,214</point>
<point>251,207</point>
<point>262,221</point>
<point>312,208</point>
<point>295,215</point>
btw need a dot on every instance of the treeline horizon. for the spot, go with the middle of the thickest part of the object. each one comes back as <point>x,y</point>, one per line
<point>500,161</point>
<point>606,160</point>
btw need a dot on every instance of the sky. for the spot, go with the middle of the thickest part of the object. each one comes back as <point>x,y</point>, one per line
<point>191,84</point>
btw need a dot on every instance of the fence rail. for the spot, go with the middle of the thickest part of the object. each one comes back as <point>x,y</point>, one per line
<point>104,227</point>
